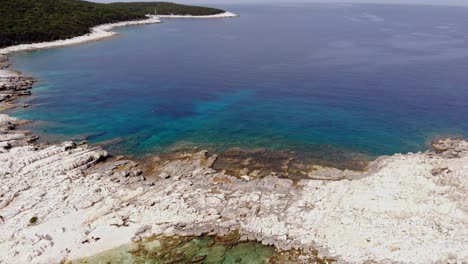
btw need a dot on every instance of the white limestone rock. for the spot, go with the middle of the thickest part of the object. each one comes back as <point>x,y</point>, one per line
<point>62,202</point>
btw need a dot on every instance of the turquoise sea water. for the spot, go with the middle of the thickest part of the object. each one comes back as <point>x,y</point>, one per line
<point>375,79</point>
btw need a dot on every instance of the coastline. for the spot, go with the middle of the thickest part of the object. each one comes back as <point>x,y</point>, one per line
<point>70,201</point>
<point>222,15</point>
<point>102,31</point>
<point>14,84</point>
<point>67,201</point>
<point>98,32</point>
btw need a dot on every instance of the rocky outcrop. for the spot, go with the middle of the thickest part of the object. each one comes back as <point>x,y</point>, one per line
<point>450,147</point>
<point>67,201</point>
<point>10,136</point>
<point>12,84</point>
<point>42,184</point>
<point>3,62</point>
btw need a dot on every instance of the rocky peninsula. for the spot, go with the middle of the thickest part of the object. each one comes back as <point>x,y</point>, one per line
<point>64,202</point>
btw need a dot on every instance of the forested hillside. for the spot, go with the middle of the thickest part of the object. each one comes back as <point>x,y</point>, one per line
<point>28,21</point>
<point>164,8</point>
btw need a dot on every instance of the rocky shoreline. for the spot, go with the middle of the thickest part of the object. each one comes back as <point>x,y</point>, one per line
<point>98,32</point>
<point>222,15</point>
<point>12,84</point>
<point>103,31</point>
<point>68,201</point>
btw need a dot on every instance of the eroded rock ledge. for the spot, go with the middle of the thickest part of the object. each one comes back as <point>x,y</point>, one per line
<point>68,201</point>
<point>12,84</point>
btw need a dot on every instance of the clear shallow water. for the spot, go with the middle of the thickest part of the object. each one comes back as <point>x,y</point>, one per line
<point>374,79</point>
<point>173,250</point>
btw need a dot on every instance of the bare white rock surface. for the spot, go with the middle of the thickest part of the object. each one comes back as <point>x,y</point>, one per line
<point>63,202</point>
<point>222,15</point>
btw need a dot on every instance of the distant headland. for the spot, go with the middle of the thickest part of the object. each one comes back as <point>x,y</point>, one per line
<point>33,21</point>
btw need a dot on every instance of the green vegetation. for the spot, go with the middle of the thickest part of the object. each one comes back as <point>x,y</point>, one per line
<point>29,21</point>
<point>164,8</point>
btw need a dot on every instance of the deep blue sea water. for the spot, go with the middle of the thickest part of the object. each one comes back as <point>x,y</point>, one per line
<point>375,79</point>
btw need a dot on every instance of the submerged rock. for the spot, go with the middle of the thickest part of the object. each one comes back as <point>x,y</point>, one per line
<point>184,250</point>
<point>450,147</point>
